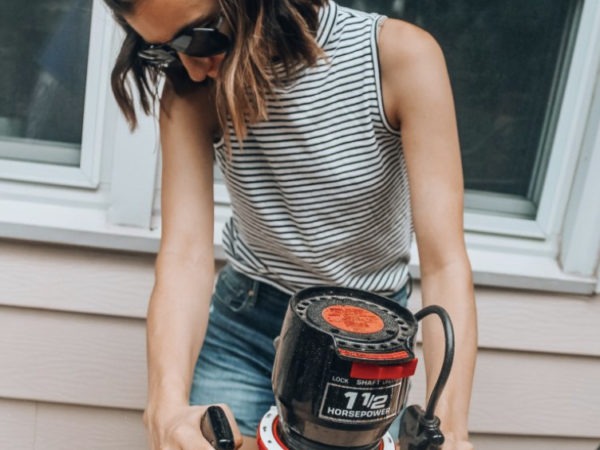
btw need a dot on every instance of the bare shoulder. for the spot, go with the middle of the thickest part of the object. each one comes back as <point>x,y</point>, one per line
<point>402,44</point>
<point>412,66</point>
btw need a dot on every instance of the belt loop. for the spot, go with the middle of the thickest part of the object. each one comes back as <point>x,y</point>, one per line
<point>253,293</point>
<point>409,286</point>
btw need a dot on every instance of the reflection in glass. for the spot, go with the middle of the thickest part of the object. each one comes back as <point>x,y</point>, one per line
<point>506,59</point>
<point>43,61</point>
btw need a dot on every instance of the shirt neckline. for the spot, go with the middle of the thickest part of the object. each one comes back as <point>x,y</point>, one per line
<point>327,16</point>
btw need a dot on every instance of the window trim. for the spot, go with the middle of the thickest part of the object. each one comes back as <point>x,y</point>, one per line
<point>580,250</point>
<point>572,121</point>
<point>26,150</point>
<point>87,173</point>
<point>570,126</point>
<point>132,198</point>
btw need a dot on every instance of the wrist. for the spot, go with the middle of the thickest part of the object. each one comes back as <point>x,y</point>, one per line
<point>166,400</point>
<point>455,442</point>
<point>168,389</point>
<point>454,420</point>
<point>161,411</point>
<point>456,435</point>
<point>453,431</point>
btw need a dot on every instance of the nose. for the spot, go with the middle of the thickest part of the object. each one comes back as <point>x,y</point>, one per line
<point>199,69</point>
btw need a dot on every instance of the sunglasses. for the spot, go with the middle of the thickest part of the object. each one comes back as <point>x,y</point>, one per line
<point>194,41</point>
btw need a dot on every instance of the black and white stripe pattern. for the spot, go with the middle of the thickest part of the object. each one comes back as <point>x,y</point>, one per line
<point>319,192</point>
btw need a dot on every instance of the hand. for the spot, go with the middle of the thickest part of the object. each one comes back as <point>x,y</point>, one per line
<point>178,428</point>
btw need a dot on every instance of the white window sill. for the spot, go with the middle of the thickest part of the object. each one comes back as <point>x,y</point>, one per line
<point>528,268</point>
<point>521,271</point>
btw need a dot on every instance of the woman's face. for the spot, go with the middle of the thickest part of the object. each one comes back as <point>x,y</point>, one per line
<point>159,21</point>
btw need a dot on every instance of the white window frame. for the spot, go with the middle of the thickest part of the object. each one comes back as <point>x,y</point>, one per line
<point>106,201</point>
<point>111,201</point>
<point>533,252</point>
<point>85,174</point>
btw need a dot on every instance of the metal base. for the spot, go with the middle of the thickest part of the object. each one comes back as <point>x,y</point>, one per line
<point>269,439</point>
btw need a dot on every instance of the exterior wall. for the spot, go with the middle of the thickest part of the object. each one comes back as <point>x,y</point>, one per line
<point>72,365</point>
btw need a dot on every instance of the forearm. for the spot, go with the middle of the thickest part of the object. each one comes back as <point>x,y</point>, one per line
<point>176,325</point>
<point>451,287</point>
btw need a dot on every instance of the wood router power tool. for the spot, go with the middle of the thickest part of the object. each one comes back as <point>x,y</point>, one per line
<point>341,376</point>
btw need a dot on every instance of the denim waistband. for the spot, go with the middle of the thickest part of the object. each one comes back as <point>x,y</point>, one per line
<point>239,291</point>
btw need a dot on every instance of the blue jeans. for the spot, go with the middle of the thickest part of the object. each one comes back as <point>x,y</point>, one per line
<point>234,366</point>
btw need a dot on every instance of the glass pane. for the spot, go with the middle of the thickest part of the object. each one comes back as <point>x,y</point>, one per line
<point>506,59</point>
<point>43,61</point>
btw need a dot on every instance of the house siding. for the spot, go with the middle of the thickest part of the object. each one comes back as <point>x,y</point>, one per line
<point>72,359</point>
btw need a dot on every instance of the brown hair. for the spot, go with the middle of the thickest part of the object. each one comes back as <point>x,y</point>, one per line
<point>265,32</point>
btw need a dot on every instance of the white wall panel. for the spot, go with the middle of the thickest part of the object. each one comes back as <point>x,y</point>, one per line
<point>72,358</point>
<point>536,376</point>
<point>17,424</point>
<point>75,279</point>
<point>531,394</point>
<point>539,322</point>
<point>99,361</point>
<point>28,425</point>
<point>61,427</point>
<point>119,284</point>
<point>497,442</point>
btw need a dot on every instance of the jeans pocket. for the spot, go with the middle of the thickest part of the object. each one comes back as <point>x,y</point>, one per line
<point>234,290</point>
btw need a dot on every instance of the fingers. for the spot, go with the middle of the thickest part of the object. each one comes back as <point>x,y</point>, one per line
<point>180,429</point>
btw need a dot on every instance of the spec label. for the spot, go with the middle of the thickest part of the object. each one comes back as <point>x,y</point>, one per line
<point>347,404</point>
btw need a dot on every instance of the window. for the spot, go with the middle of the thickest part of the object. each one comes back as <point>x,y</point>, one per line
<point>507,62</point>
<point>42,81</point>
<point>66,155</point>
<point>525,78</point>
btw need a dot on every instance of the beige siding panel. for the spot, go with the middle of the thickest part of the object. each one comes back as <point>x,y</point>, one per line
<point>77,359</point>
<point>72,358</point>
<point>61,427</point>
<point>531,394</point>
<point>118,284</point>
<point>539,322</point>
<point>17,424</point>
<point>75,279</point>
<point>496,442</point>
<point>535,321</point>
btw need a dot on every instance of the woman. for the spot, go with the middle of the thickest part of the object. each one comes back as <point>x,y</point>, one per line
<point>301,102</point>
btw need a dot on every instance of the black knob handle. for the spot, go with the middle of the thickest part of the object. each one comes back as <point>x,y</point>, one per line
<point>216,429</point>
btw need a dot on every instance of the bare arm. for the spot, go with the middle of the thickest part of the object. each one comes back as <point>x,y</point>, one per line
<point>178,310</point>
<point>418,99</point>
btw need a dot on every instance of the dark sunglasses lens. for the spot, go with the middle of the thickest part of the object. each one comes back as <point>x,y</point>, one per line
<point>201,42</point>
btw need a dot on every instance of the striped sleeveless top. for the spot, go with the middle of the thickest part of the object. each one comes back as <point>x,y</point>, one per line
<point>319,192</point>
